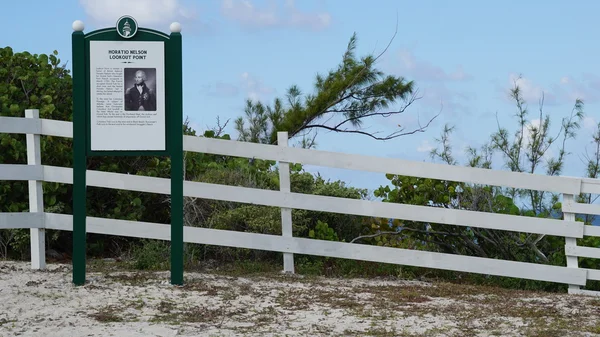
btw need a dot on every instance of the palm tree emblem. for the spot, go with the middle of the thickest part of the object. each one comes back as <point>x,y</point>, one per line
<point>126,28</point>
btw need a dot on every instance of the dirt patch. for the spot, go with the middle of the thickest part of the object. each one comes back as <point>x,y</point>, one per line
<point>117,302</point>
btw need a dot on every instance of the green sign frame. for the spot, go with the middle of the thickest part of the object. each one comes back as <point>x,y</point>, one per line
<point>102,121</point>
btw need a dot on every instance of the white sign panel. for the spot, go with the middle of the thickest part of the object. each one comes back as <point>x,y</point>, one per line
<point>127,96</point>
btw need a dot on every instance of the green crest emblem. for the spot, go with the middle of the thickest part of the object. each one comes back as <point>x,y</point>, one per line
<point>127,26</point>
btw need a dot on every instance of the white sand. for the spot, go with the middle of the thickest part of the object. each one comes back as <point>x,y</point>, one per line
<point>45,303</point>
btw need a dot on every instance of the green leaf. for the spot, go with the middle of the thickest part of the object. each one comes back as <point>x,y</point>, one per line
<point>43,59</point>
<point>47,99</point>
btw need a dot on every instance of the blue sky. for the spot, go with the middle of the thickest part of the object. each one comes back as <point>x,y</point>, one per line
<point>462,55</point>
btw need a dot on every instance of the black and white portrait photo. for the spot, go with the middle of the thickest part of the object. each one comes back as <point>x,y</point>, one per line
<point>140,89</point>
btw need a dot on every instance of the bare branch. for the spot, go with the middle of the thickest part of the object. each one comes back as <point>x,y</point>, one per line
<point>391,40</point>
<point>311,143</point>
<point>392,135</point>
<point>25,90</point>
<point>539,252</point>
<point>400,232</point>
<point>220,128</point>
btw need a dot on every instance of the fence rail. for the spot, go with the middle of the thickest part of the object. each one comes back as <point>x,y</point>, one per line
<point>37,220</point>
<point>21,220</point>
<point>323,203</point>
<point>569,185</point>
<point>383,165</point>
<point>293,245</point>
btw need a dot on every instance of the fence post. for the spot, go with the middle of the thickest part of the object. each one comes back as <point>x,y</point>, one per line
<point>286,213</point>
<point>36,197</point>
<point>572,261</point>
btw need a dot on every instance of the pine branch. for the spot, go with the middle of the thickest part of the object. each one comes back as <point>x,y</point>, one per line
<point>382,114</point>
<point>353,81</point>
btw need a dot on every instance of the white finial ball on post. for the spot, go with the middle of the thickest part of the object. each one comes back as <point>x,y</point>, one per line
<point>78,26</point>
<point>175,27</point>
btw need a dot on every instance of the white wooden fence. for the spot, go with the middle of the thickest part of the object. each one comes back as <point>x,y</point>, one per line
<point>38,220</point>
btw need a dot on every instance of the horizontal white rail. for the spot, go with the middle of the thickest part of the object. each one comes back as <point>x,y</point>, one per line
<point>324,203</point>
<point>19,125</point>
<point>134,229</point>
<point>590,185</point>
<point>328,248</point>
<point>21,172</point>
<point>383,165</point>
<point>385,210</point>
<point>591,230</point>
<point>579,208</point>
<point>584,292</point>
<point>64,175</point>
<point>46,127</point>
<point>56,174</point>
<point>568,185</point>
<point>592,274</point>
<point>580,251</point>
<point>21,220</point>
<point>57,128</point>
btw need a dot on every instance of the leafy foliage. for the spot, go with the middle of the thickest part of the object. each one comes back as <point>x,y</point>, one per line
<point>343,100</point>
<point>31,81</point>
<point>323,232</point>
<point>40,82</point>
<point>526,151</point>
<point>532,140</point>
<point>264,219</point>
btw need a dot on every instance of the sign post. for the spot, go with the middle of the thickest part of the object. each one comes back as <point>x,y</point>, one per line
<point>127,101</point>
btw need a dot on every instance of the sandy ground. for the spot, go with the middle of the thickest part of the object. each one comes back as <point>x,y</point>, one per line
<point>118,303</point>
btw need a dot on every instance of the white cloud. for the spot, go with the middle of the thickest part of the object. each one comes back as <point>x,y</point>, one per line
<point>317,20</point>
<point>439,97</point>
<point>564,90</point>
<point>585,88</point>
<point>220,89</point>
<point>590,124</point>
<point>148,13</point>
<point>247,14</point>
<point>251,86</point>
<point>434,83</point>
<point>425,146</point>
<point>423,70</point>
<point>255,89</point>
<point>529,91</point>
